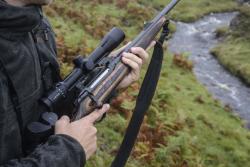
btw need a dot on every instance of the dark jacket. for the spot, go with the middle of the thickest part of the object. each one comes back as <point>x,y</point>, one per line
<point>28,68</point>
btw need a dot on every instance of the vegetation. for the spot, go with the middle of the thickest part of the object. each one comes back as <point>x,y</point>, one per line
<point>192,10</point>
<point>185,126</point>
<point>234,52</point>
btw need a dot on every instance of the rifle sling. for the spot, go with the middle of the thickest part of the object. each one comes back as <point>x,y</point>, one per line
<point>143,102</point>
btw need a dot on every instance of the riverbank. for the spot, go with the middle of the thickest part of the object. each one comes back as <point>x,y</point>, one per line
<point>185,126</point>
<point>196,40</point>
<point>234,50</point>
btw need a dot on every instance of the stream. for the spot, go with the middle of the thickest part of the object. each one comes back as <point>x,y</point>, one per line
<point>197,39</point>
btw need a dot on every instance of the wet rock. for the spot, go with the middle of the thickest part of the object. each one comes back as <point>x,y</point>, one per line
<point>244,1</point>
<point>240,25</point>
<point>228,108</point>
<point>199,100</point>
<point>182,62</point>
<point>247,126</point>
<point>235,22</point>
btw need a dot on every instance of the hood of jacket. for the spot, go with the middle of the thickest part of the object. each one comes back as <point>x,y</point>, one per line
<point>19,19</point>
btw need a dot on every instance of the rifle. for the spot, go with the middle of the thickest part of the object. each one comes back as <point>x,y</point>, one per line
<point>93,79</point>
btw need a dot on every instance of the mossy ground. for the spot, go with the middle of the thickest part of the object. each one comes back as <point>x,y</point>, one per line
<point>185,126</point>
<point>234,51</point>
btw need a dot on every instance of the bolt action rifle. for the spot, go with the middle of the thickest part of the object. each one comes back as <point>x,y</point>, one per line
<point>93,80</point>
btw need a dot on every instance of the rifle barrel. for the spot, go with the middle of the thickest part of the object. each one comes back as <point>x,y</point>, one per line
<point>153,23</point>
<point>166,10</point>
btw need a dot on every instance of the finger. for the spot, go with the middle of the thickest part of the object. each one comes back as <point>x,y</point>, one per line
<point>124,46</point>
<point>140,52</point>
<point>135,67</point>
<point>134,58</point>
<point>62,122</point>
<point>97,114</point>
<point>151,45</point>
<point>119,50</point>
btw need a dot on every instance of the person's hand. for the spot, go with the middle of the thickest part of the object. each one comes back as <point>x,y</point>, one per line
<point>82,130</point>
<point>134,60</point>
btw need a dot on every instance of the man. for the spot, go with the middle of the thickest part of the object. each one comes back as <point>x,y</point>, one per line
<point>28,68</point>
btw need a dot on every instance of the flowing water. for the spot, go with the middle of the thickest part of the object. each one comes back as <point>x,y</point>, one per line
<point>197,39</point>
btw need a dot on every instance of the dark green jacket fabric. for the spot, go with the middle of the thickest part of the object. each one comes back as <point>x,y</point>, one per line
<point>28,68</point>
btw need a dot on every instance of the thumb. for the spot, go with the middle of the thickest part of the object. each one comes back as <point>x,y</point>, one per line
<point>97,114</point>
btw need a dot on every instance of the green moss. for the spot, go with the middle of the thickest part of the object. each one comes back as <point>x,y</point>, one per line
<point>234,55</point>
<point>72,33</point>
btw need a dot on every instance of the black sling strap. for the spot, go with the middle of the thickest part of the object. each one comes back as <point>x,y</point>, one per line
<point>143,101</point>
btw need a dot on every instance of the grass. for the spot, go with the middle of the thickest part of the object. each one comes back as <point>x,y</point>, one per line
<point>195,129</point>
<point>192,10</point>
<point>234,52</point>
<point>184,126</point>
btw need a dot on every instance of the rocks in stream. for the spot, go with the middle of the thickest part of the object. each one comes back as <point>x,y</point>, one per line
<point>182,62</point>
<point>244,1</point>
<point>240,25</point>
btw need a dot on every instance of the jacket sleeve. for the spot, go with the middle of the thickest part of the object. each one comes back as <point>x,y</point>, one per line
<point>58,151</point>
